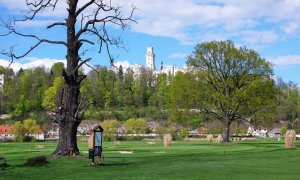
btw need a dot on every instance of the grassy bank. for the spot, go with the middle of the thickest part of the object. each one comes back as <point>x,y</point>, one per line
<point>260,159</point>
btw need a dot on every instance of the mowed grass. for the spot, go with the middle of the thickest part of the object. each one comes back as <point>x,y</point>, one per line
<point>259,159</point>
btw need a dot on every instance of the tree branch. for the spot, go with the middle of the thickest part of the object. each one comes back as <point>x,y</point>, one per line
<point>80,64</point>
<point>84,7</point>
<point>36,7</point>
<point>56,24</point>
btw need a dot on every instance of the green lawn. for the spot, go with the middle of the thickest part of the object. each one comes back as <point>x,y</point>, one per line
<point>260,159</point>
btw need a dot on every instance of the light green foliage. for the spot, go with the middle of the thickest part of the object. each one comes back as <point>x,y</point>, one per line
<point>240,131</point>
<point>30,126</point>
<point>283,130</point>
<point>288,103</point>
<point>185,100</point>
<point>49,101</point>
<point>18,128</point>
<point>136,126</point>
<point>108,99</point>
<point>110,129</point>
<point>159,98</point>
<point>25,128</point>
<point>57,69</point>
<point>235,82</point>
<point>30,86</point>
<point>184,132</point>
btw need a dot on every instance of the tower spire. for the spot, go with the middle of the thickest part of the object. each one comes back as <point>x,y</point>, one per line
<point>150,59</point>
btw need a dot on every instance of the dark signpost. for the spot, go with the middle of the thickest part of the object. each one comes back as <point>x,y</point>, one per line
<point>97,144</point>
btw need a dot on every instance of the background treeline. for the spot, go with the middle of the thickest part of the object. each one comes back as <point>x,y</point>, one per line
<point>29,93</point>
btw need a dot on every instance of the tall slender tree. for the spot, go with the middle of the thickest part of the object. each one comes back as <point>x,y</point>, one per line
<point>85,22</point>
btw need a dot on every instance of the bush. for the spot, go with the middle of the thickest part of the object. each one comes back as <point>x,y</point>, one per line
<point>110,129</point>
<point>240,131</point>
<point>283,130</point>
<point>39,160</point>
<point>136,126</point>
<point>184,132</point>
<point>215,130</point>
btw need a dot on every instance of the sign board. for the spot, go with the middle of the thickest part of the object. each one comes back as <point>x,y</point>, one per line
<point>98,138</point>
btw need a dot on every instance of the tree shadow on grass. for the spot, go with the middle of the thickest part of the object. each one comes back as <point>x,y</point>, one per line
<point>117,164</point>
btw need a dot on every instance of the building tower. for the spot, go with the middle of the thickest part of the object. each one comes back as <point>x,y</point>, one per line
<point>150,59</point>
<point>1,82</point>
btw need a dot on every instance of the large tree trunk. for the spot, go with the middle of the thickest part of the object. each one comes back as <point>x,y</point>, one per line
<point>226,127</point>
<point>67,145</point>
<point>69,119</point>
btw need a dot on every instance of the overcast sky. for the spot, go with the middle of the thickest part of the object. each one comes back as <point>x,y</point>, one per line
<point>173,28</point>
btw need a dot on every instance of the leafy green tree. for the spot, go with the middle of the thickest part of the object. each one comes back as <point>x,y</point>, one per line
<point>108,100</point>
<point>28,91</point>
<point>185,100</point>
<point>136,126</point>
<point>111,129</point>
<point>30,126</point>
<point>184,132</point>
<point>235,82</point>
<point>18,129</point>
<point>57,69</point>
<point>159,97</point>
<point>49,101</point>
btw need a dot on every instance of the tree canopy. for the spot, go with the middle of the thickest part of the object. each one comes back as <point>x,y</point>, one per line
<point>235,83</point>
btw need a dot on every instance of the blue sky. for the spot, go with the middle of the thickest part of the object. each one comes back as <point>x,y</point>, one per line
<point>173,28</point>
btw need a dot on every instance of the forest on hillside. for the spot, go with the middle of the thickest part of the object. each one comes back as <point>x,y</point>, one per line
<point>31,93</point>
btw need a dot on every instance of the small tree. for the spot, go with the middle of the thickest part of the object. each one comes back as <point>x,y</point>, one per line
<point>136,126</point>
<point>22,130</point>
<point>18,129</point>
<point>184,132</point>
<point>30,126</point>
<point>51,94</point>
<point>111,129</point>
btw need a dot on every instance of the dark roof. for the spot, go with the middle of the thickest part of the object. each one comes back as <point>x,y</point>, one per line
<point>98,127</point>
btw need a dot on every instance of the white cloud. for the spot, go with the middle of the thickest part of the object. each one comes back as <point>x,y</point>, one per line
<point>35,23</point>
<point>286,60</point>
<point>255,37</point>
<point>178,55</point>
<point>124,64</point>
<point>183,20</point>
<point>32,62</point>
<point>291,27</point>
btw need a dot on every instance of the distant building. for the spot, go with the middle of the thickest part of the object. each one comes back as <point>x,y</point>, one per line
<point>7,135</point>
<point>150,59</point>
<point>1,82</point>
<point>170,70</point>
<point>137,70</point>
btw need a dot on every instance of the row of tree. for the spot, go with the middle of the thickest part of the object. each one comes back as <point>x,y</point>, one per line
<point>224,83</point>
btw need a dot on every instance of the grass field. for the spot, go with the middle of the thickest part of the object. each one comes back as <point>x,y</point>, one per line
<point>259,159</point>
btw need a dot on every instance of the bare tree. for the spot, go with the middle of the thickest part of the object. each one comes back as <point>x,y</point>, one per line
<point>83,23</point>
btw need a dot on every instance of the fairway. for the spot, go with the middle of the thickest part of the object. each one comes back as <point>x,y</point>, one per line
<point>260,159</point>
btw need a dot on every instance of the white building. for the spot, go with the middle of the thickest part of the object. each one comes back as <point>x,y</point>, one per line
<point>1,82</point>
<point>137,70</point>
<point>170,70</point>
<point>150,59</point>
